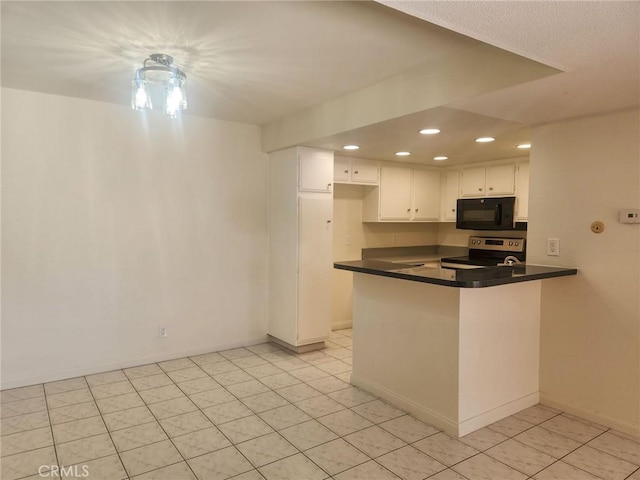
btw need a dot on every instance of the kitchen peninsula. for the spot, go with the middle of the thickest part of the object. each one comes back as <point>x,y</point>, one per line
<point>456,348</point>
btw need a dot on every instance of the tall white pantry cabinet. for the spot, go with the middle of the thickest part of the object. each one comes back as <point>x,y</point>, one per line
<point>300,246</point>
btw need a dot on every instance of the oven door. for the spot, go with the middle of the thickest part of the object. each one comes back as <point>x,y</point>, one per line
<point>485,213</point>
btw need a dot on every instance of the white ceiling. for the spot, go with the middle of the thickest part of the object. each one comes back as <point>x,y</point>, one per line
<point>249,62</point>
<point>259,61</point>
<point>596,44</point>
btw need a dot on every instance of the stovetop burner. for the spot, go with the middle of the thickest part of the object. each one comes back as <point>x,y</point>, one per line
<point>488,252</point>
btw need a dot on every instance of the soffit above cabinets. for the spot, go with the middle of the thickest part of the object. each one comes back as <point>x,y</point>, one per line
<point>456,140</point>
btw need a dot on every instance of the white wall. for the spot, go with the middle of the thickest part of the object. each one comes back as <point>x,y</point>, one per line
<point>114,224</point>
<point>584,170</point>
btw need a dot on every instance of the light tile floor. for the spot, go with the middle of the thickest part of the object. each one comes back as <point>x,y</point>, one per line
<point>263,413</point>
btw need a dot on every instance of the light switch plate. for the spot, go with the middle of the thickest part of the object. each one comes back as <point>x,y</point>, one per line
<point>629,215</point>
<point>553,247</point>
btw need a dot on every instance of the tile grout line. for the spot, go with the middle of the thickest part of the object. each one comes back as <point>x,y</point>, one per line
<point>53,440</point>
<point>160,424</point>
<point>107,429</point>
<point>256,414</point>
<point>582,444</point>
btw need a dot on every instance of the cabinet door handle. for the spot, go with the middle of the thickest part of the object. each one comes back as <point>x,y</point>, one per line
<point>408,210</point>
<point>328,221</point>
<point>356,172</point>
<point>490,188</point>
<point>328,186</point>
<point>453,209</point>
<point>479,189</point>
<point>416,210</point>
<point>346,171</point>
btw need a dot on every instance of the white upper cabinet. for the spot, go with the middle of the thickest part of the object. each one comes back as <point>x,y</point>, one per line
<point>356,171</point>
<point>426,195</point>
<point>315,170</point>
<point>490,180</point>
<point>365,172</point>
<point>450,194</point>
<point>473,182</point>
<point>395,194</point>
<point>501,179</point>
<point>342,170</point>
<point>404,195</point>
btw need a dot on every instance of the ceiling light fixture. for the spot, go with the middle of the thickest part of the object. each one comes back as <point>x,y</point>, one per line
<point>485,139</point>
<point>524,146</point>
<point>441,158</point>
<point>351,147</point>
<point>429,131</point>
<point>403,154</point>
<point>158,71</point>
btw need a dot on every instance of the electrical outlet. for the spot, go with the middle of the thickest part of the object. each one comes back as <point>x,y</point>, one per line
<point>553,247</point>
<point>348,240</point>
<point>162,332</point>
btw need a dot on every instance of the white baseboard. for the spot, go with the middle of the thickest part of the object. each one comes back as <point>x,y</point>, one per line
<point>83,370</point>
<point>448,425</point>
<point>503,411</point>
<point>595,417</point>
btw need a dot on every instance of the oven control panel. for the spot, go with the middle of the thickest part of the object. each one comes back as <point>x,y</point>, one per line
<point>497,244</point>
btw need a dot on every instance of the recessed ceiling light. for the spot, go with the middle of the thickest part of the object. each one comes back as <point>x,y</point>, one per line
<point>441,158</point>
<point>429,131</point>
<point>524,145</point>
<point>403,154</point>
<point>485,139</point>
<point>351,147</point>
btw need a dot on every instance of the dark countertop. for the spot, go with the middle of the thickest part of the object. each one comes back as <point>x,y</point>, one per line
<point>470,278</point>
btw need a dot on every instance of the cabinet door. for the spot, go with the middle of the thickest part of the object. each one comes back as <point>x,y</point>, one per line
<point>426,195</point>
<point>395,194</point>
<point>315,264</point>
<point>315,170</point>
<point>342,170</point>
<point>500,179</point>
<point>522,192</point>
<point>365,172</point>
<point>472,182</point>
<point>450,195</point>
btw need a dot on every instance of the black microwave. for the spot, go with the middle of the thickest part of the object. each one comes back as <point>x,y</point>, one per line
<point>496,213</point>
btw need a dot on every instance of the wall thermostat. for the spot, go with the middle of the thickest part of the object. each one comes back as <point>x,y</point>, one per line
<point>630,215</point>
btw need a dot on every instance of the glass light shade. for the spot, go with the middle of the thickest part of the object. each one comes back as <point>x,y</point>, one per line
<point>176,99</point>
<point>140,98</point>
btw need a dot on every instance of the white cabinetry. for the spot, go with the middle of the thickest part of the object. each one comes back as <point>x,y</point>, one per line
<point>300,245</point>
<point>522,191</point>
<point>404,195</point>
<point>500,179</point>
<point>450,194</point>
<point>395,194</point>
<point>316,173</point>
<point>426,195</point>
<point>356,171</point>
<point>490,180</point>
<point>472,182</point>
